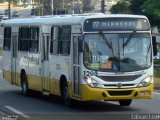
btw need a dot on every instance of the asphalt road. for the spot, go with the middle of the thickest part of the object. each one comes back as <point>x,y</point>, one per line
<point>38,107</point>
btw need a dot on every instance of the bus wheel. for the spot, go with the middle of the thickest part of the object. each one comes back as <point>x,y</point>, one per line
<point>67,101</point>
<point>24,85</point>
<point>125,102</point>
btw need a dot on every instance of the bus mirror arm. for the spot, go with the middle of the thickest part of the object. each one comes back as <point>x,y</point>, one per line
<point>154,43</point>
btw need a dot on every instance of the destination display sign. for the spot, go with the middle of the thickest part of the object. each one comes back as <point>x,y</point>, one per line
<point>115,24</point>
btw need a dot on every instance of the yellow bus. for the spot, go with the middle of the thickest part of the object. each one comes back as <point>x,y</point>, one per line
<point>81,57</point>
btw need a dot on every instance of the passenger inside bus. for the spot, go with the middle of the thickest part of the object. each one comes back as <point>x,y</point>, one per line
<point>87,53</point>
<point>34,47</point>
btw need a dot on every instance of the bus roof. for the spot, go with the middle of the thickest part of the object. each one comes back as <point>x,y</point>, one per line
<point>65,19</point>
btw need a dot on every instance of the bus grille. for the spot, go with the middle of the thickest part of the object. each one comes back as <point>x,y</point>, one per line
<point>120,93</point>
<point>115,85</point>
<point>119,78</point>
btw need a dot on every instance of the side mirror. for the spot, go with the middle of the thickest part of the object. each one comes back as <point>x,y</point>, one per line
<point>80,44</point>
<point>154,43</point>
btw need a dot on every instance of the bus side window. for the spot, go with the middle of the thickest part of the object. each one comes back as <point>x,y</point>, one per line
<point>34,39</point>
<point>65,40</point>
<point>7,38</point>
<point>51,44</point>
<point>24,39</point>
<point>55,33</point>
<point>60,40</point>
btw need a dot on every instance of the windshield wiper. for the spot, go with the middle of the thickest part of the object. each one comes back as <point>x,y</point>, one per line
<point>129,38</point>
<point>105,40</point>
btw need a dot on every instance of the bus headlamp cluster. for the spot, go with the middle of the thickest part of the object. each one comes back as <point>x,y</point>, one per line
<point>91,82</point>
<point>147,81</point>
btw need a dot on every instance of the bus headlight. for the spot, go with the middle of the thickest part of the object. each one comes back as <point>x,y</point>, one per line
<point>147,81</point>
<point>91,82</point>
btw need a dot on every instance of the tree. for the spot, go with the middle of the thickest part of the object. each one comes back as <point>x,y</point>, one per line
<point>135,6</point>
<point>87,5</point>
<point>45,6</point>
<point>122,7</point>
<point>14,2</point>
<point>2,1</point>
<point>152,8</point>
<point>24,1</point>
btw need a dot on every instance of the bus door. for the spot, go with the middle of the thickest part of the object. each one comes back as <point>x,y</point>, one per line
<point>14,50</point>
<point>45,63</point>
<point>76,65</point>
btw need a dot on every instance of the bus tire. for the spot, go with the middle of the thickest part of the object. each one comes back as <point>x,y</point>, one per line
<point>25,90</point>
<point>125,102</point>
<point>66,99</point>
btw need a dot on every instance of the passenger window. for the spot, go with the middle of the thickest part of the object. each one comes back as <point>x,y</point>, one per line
<point>29,39</point>
<point>60,40</point>
<point>34,40</point>
<point>24,39</point>
<point>65,40</point>
<point>55,33</point>
<point>7,38</point>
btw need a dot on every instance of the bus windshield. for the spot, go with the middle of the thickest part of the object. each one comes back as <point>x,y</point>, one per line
<point>116,55</point>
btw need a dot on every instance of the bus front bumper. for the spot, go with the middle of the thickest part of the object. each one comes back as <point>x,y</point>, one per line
<point>89,93</point>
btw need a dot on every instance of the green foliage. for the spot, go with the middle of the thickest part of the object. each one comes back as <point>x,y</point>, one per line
<point>47,5</point>
<point>57,4</point>
<point>38,11</point>
<point>156,83</point>
<point>156,73</point>
<point>2,1</point>
<point>86,5</point>
<point>14,2</point>
<point>157,61</point>
<point>24,1</point>
<point>152,8</point>
<point>135,6</point>
<point>122,7</point>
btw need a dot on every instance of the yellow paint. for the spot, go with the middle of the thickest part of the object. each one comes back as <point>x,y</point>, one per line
<point>34,82</point>
<point>55,87</point>
<point>89,93</point>
<point>7,76</point>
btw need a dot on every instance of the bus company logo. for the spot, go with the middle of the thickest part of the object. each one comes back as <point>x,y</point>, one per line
<point>119,85</point>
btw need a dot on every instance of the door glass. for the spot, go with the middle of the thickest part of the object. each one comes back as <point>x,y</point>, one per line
<point>14,42</point>
<point>75,48</point>
<point>76,68</point>
<point>45,48</point>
